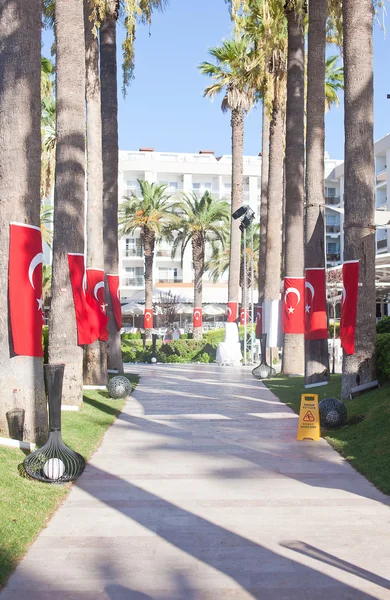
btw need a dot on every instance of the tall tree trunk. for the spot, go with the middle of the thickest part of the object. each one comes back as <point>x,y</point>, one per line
<point>274,217</point>
<point>20,167</point>
<point>237,123</point>
<point>359,229</point>
<point>149,240</point>
<point>316,351</point>
<point>293,344</point>
<point>95,356</point>
<point>69,192</point>
<point>263,205</point>
<point>198,264</point>
<point>109,97</point>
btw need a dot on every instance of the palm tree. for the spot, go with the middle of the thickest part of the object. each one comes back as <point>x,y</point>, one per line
<point>218,263</point>
<point>152,214</point>
<point>95,355</point>
<point>20,165</point>
<point>204,220</point>
<point>69,191</point>
<point>263,205</point>
<point>334,81</point>
<point>293,343</point>
<point>232,76</point>
<point>48,127</point>
<point>316,351</point>
<point>46,219</point>
<point>109,111</point>
<point>359,225</point>
<point>134,12</point>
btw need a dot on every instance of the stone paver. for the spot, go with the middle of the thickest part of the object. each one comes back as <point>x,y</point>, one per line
<point>199,491</point>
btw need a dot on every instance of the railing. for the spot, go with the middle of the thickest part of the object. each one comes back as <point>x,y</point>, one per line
<point>171,280</point>
<point>134,282</point>
<point>332,200</point>
<point>333,257</point>
<point>129,253</point>
<point>333,229</point>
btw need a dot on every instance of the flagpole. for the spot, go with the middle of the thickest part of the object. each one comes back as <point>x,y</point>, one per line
<point>252,284</point>
<point>244,294</point>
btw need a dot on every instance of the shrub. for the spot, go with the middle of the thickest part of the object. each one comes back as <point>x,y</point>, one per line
<point>383,326</point>
<point>214,336</point>
<point>45,344</point>
<point>383,356</point>
<point>331,327</point>
<point>131,336</point>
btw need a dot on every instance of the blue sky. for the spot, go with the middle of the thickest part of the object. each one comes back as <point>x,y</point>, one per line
<point>164,108</point>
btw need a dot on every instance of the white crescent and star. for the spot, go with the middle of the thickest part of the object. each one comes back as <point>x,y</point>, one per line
<point>292,290</point>
<point>97,287</point>
<point>197,314</point>
<point>37,260</point>
<point>344,295</point>
<point>229,311</point>
<point>311,289</point>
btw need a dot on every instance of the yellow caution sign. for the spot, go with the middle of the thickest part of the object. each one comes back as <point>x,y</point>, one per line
<point>309,418</point>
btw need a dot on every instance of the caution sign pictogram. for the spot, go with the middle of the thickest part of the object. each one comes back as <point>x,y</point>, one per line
<point>309,418</point>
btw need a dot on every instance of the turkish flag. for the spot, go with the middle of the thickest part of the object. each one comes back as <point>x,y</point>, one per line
<point>148,318</point>
<point>349,305</point>
<point>293,311</point>
<point>25,289</point>
<point>316,321</point>
<point>85,333</point>
<point>95,299</point>
<point>232,312</point>
<point>259,321</point>
<point>197,317</point>
<point>242,315</point>
<point>113,286</point>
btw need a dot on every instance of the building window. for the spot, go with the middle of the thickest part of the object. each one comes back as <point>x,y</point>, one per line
<point>168,275</point>
<point>133,247</point>
<point>164,249</point>
<point>134,277</point>
<point>196,186</point>
<point>330,192</point>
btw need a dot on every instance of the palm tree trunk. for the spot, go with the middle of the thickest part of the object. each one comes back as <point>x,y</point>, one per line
<point>293,344</point>
<point>69,191</point>
<point>109,107</point>
<point>359,229</point>
<point>316,351</point>
<point>20,167</point>
<point>263,205</point>
<point>149,240</point>
<point>95,355</point>
<point>198,263</point>
<point>237,123</point>
<point>274,218</point>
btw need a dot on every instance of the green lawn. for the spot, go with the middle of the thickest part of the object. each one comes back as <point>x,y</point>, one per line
<point>26,505</point>
<point>364,443</point>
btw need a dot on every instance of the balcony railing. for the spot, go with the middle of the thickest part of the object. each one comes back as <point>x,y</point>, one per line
<point>332,200</point>
<point>164,253</point>
<point>134,282</point>
<point>171,280</point>
<point>333,257</point>
<point>333,229</point>
<point>133,252</point>
<point>381,244</point>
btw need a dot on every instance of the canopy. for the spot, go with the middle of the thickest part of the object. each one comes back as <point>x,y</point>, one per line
<point>213,311</point>
<point>132,309</point>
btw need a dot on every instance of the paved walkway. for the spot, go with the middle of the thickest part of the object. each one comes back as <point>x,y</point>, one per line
<point>200,492</point>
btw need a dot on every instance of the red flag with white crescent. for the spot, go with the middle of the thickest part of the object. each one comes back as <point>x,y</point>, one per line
<point>25,289</point>
<point>113,286</point>
<point>95,291</point>
<point>349,305</point>
<point>85,333</point>
<point>232,312</point>
<point>316,320</point>
<point>259,321</point>
<point>148,318</point>
<point>197,317</point>
<point>293,311</point>
<point>244,311</point>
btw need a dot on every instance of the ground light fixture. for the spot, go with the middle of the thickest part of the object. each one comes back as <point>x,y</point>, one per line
<point>54,462</point>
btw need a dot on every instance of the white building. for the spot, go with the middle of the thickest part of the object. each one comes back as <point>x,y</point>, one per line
<point>197,173</point>
<point>187,173</point>
<point>335,218</point>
